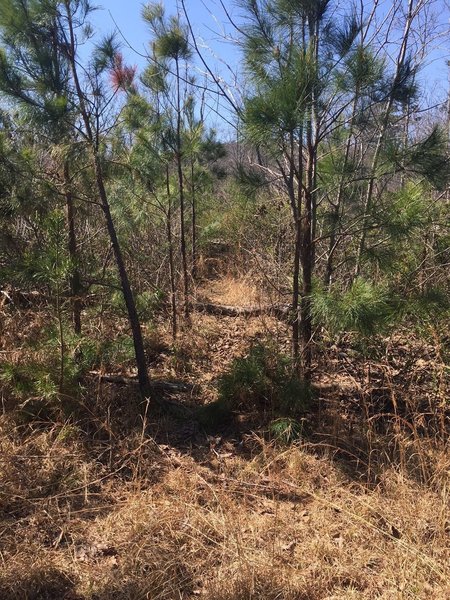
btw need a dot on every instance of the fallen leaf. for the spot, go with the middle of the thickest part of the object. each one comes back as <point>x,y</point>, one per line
<point>86,552</point>
<point>290,546</point>
<point>395,532</point>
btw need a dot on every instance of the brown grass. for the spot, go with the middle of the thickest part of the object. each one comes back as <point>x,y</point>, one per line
<point>230,525</point>
<point>234,291</point>
<point>112,506</point>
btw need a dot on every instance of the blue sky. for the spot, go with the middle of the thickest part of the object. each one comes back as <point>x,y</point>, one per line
<point>207,18</point>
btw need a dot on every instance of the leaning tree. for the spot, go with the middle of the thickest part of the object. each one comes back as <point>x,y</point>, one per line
<point>41,68</point>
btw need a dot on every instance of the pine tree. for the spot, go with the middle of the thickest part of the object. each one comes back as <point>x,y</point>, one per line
<point>71,19</point>
<point>41,69</point>
<point>323,107</point>
<point>288,62</point>
<point>35,75</point>
<point>171,45</point>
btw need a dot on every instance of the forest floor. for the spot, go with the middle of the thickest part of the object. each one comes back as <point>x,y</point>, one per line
<point>128,504</point>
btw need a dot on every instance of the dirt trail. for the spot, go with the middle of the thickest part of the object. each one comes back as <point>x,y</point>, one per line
<point>117,510</point>
<point>213,341</point>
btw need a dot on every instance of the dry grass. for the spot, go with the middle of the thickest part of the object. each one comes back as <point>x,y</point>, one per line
<point>111,507</point>
<point>231,525</point>
<point>234,291</point>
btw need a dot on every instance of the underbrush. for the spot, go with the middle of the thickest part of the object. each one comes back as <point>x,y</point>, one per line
<point>261,381</point>
<point>234,520</point>
<point>44,372</point>
<point>332,493</point>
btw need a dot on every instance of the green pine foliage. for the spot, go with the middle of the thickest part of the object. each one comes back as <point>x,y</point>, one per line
<point>364,308</point>
<point>261,381</point>
<point>286,430</point>
<point>429,158</point>
<point>334,140</point>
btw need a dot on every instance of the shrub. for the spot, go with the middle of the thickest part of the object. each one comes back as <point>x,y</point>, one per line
<point>214,415</point>
<point>263,379</point>
<point>285,430</point>
<point>247,383</point>
<point>364,308</point>
<point>118,351</point>
<point>33,390</point>
<point>147,304</point>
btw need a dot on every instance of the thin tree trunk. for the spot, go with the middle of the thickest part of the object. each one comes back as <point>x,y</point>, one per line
<point>133,317</point>
<point>173,297</point>
<point>182,205</point>
<point>338,209</point>
<point>297,214</point>
<point>381,136</point>
<point>194,225</point>
<point>307,253</point>
<point>333,243</point>
<point>62,346</point>
<point>307,261</point>
<point>296,295</point>
<point>75,279</point>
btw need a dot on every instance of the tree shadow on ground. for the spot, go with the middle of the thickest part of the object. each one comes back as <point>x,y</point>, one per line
<point>38,583</point>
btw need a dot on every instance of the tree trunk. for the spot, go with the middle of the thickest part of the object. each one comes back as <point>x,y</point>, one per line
<point>75,279</point>
<point>182,205</point>
<point>381,136</point>
<point>307,251</point>
<point>307,260</point>
<point>279,311</point>
<point>133,317</point>
<point>296,204</point>
<point>194,225</point>
<point>337,208</point>
<point>173,297</point>
<point>296,296</point>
